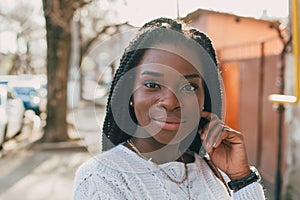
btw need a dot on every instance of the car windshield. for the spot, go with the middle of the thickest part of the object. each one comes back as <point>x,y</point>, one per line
<point>27,91</point>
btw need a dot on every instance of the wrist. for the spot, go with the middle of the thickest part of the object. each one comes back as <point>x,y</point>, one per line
<point>237,184</point>
<point>240,175</point>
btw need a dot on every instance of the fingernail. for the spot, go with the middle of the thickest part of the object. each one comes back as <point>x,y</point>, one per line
<point>214,145</point>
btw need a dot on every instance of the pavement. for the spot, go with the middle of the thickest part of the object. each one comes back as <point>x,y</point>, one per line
<point>42,171</point>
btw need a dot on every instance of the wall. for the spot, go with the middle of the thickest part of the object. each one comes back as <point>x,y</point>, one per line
<point>228,30</point>
<point>292,175</point>
<point>238,42</point>
<point>252,113</point>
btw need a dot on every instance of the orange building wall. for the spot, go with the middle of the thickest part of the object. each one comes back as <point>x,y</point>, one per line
<point>238,44</point>
<point>230,74</point>
<point>227,30</point>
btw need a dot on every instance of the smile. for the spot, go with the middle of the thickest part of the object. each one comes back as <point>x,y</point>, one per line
<point>170,125</point>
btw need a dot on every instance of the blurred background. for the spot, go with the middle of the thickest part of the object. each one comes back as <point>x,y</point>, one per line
<point>57,60</point>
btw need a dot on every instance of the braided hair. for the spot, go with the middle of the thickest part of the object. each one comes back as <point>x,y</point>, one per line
<point>158,31</point>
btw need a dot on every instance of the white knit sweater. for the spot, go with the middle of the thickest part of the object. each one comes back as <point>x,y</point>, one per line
<point>119,174</point>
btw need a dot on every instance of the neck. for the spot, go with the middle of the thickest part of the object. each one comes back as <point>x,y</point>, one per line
<point>159,153</point>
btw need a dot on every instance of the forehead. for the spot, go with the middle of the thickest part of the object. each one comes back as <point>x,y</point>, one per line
<point>170,58</point>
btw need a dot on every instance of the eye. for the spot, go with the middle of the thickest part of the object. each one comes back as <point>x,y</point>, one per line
<point>152,84</point>
<point>190,87</point>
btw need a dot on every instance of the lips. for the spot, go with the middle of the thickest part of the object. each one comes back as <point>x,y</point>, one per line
<point>170,124</point>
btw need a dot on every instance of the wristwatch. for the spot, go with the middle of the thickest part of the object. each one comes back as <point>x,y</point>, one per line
<point>254,176</point>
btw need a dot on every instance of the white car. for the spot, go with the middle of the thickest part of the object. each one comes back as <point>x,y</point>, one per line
<point>11,116</point>
<point>3,124</point>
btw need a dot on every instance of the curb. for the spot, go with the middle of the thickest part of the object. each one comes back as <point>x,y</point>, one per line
<point>58,146</point>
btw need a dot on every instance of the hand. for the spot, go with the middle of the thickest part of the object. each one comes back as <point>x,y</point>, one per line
<point>225,146</point>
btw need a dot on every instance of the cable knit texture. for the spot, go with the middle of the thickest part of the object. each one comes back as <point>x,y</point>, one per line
<point>119,173</point>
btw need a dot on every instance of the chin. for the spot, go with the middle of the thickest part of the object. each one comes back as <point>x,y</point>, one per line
<point>169,137</point>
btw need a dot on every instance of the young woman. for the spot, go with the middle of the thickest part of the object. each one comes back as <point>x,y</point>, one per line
<point>163,114</point>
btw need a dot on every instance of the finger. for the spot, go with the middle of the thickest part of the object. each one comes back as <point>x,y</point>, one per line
<point>222,137</point>
<point>228,135</point>
<point>210,136</point>
<point>213,136</point>
<point>209,129</point>
<point>227,128</point>
<point>213,120</point>
<point>210,133</point>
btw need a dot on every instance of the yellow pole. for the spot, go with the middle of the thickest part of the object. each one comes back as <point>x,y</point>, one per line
<point>288,99</point>
<point>295,29</point>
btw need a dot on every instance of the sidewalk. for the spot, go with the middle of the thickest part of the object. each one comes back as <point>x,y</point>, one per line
<point>46,171</point>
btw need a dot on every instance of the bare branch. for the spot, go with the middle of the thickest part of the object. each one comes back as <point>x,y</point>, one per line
<point>86,46</point>
<point>79,4</point>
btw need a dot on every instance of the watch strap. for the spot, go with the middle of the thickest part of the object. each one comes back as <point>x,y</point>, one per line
<point>247,180</point>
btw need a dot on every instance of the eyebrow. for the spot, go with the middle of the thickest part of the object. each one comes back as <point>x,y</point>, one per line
<point>191,76</point>
<point>152,73</point>
<point>157,74</point>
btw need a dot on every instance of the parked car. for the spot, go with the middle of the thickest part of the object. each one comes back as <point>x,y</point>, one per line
<point>11,115</point>
<point>15,112</point>
<point>3,113</point>
<point>30,97</point>
<point>3,124</point>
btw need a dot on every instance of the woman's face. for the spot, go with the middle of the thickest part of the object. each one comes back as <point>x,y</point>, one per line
<point>168,95</point>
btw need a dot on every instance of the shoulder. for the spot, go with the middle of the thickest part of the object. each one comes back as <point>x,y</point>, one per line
<point>99,162</point>
<point>107,173</point>
<point>111,162</point>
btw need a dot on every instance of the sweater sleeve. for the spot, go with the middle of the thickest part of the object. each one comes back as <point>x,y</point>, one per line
<point>254,191</point>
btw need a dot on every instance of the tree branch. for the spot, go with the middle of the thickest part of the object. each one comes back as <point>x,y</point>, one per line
<point>86,46</point>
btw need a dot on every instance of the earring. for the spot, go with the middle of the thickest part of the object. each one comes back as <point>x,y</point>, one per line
<point>131,103</point>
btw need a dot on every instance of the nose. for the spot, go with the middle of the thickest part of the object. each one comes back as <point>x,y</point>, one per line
<point>169,100</point>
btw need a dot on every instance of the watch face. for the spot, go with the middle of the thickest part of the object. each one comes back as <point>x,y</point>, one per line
<point>253,169</point>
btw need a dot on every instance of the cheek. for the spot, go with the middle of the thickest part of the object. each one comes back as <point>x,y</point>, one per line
<point>192,108</point>
<point>142,105</point>
<point>193,102</point>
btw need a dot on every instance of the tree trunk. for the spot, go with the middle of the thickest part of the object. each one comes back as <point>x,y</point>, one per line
<point>58,55</point>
